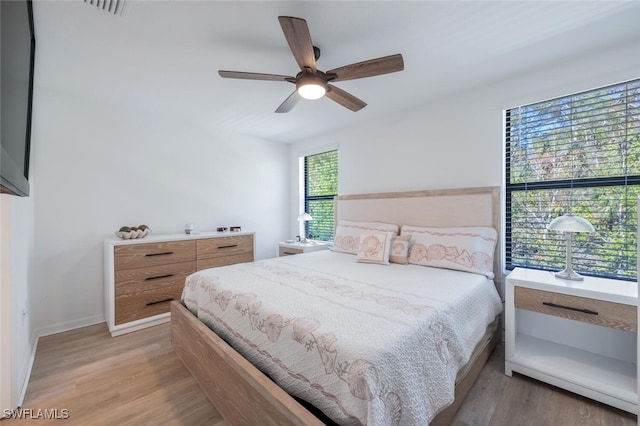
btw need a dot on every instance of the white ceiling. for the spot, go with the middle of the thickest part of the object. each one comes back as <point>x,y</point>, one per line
<point>164,55</point>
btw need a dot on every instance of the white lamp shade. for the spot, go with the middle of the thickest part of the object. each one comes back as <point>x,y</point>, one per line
<point>304,217</point>
<point>570,223</point>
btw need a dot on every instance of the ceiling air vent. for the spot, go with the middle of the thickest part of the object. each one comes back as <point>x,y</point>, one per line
<point>112,6</point>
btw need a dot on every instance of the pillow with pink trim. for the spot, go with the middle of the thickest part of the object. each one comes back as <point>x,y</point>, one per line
<point>374,247</point>
<point>467,249</point>
<point>347,237</point>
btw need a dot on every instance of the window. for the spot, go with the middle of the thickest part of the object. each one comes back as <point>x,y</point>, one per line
<point>320,186</point>
<point>576,154</point>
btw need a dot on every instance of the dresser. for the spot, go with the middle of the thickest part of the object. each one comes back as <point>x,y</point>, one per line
<point>577,335</point>
<point>142,276</point>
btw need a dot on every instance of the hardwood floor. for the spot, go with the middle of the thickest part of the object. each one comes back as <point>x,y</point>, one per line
<point>500,400</point>
<point>136,379</point>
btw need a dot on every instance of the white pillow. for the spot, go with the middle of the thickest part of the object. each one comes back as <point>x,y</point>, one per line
<point>347,235</point>
<point>374,247</point>
<point>468,249</point>
<point>400,249</point>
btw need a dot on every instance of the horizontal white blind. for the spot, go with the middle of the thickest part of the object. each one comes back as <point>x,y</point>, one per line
<point>576,154</point>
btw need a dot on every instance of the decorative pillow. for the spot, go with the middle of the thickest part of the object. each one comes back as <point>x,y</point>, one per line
<point>374,247</point>
<point>348,233</point>
<point>399,249</point>
<point>468,249</point>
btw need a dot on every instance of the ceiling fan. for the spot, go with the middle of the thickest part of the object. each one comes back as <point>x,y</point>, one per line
<point>312,83</point>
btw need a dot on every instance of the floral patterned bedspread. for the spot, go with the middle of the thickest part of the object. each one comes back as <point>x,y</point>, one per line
<point>366,344</point>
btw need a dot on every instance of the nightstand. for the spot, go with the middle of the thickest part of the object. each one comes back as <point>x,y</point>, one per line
<point>287,249</point>
<point>577,335</point>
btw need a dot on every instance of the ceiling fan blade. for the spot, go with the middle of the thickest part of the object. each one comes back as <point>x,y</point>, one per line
<point>370,68</point>
<point>345,99</point>
<point>255,76</point>
<point>297,34</point>
<point>289,103</point>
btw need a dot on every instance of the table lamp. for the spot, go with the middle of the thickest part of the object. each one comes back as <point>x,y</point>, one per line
<point>304,217</point>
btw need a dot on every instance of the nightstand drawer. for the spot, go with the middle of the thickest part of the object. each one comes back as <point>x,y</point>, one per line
<point>292,248</point>
<point>287,251</point>
<point>151,254</point>
<point>607,314</point>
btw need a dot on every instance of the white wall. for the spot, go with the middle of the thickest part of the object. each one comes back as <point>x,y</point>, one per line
<point>457,141</point>
<point>17,339</point>
<point>98,167</point>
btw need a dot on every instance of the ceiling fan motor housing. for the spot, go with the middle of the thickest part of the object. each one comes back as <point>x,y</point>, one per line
<point>308,78</point>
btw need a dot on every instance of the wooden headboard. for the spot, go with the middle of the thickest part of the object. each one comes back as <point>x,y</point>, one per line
<point>439,208</point>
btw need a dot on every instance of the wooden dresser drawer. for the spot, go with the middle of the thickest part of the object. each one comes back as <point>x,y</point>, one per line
<point>143,304</point>
<point>214,262</point>
<point>221,251</point>
<point>151,278</point>
<point>599,312</point>
<point>151,254</point>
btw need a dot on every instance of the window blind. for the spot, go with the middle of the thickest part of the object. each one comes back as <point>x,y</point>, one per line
<point>577,154</point>
<point>321,185</point>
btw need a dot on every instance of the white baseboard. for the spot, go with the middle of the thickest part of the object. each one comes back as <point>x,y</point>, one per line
<point>69,325</point>
<point>32,358</point>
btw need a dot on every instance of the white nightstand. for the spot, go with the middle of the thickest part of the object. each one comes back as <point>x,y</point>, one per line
<point>287,249</point>
<point>577,335</point>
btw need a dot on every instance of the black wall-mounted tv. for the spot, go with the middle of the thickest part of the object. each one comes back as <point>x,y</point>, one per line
<point>17,48</point>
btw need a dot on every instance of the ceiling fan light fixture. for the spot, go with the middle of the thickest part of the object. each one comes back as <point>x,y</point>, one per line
<point>311,91</point>
<point>311,87</point>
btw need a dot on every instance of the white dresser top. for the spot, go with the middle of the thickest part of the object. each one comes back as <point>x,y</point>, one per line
<point>159,238</point>
<point>611,290</point>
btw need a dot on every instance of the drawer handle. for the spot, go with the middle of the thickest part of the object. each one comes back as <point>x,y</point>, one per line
<point>229,246</point>
<point>160,301</point>
<point>159,254</point>
<point>584,311</point>
<point>288,252</point>
<point>157,277</point>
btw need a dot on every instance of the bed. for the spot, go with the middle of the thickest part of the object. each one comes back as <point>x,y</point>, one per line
<point>403,355</point>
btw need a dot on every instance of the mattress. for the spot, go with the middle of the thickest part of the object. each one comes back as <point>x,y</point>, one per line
<point>364,343</point>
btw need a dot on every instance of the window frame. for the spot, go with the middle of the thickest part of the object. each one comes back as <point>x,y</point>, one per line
<point>305,198</point>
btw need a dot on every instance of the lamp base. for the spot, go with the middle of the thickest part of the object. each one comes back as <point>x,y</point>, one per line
<point>569,274</point>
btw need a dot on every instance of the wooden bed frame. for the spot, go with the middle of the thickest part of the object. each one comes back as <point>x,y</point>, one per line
<point>244,395</point>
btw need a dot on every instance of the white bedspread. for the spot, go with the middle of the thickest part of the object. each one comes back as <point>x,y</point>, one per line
<point>365,343</point>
